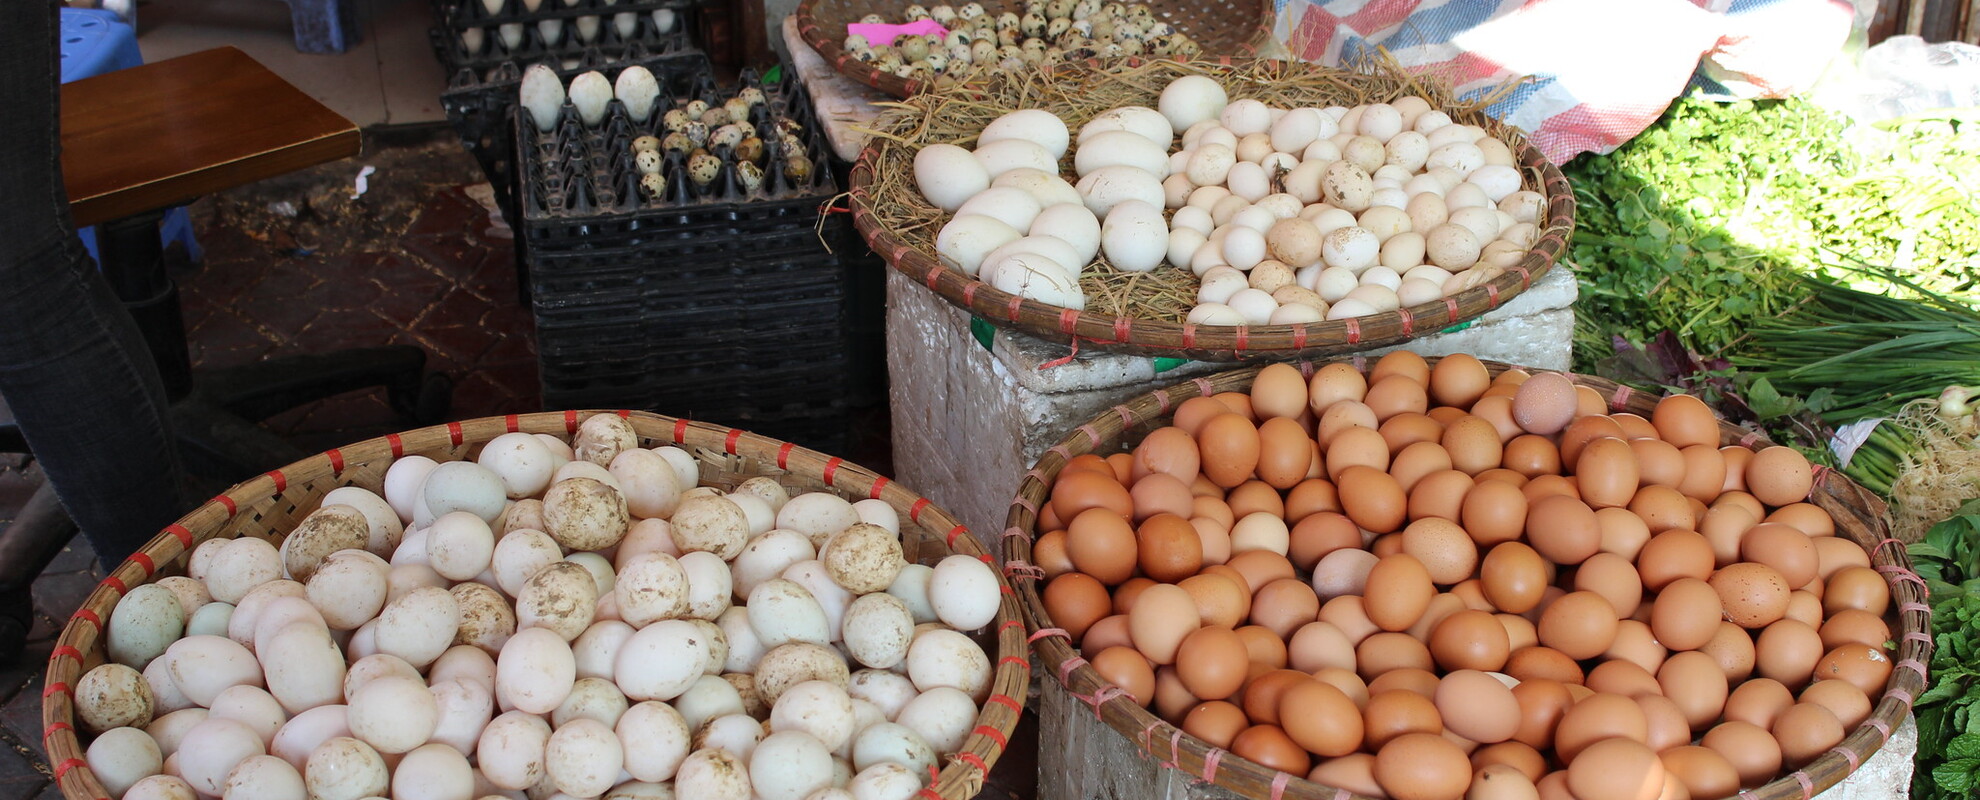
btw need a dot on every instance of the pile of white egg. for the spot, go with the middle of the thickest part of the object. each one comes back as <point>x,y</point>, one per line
<point>510,34</point>
<point>547,620</point>
<point>1284,215</point>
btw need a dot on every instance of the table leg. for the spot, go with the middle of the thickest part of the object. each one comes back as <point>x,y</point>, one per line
<point>134,264</point>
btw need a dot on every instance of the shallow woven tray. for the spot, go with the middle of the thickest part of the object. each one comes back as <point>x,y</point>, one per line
<point>912,250</point>
<point>270,505</point>
<point>1221,27</point>
<point>1859,515</point>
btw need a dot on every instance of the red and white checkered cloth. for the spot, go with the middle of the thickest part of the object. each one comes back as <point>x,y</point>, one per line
<point>1601,70</point>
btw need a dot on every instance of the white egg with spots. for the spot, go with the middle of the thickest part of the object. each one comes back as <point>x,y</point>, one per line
<point>433,772</point>
<point>145,622</point>
<point>511,750</point>
<point>583,758</point>
<point>266,777</point>
<point>1107,187</point>
<point>820,709</point>
<point>535,671</point>
<point>713,773</point>
<point>661,660</point>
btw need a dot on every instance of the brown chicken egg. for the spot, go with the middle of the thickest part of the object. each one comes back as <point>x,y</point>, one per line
<point>1283,605</point>
<point>1110,631</point>
<point>1659,463</point>
<point>1160,620</point>
<point>1527,663</point>
<point>1161,493</point>
<point>1623,678</point>
<point>1685,614</point>
<point>1101,543</point>
<point>1373,499</point>
<point>1666,725</point>
<point>1671,555</point>
<point>1263,647</point>
<point>1607,473</point>
<point>1704,773</point>
<point>1693,680</point>
<point>1753,595</point>
<point>1854,625</point>
<point>1422,766</point>
<point>1049,554</point>
<point>1616,769</point>
<point>1384,651</point>
<point>1192,413</point>
<point>1458,380</point>
<point>1548,486</point>
<point>1732,648</point>
<point>1354,772</point>
<point>1319,534</point>
<point>1169,548</point>
<point>1473,445</point>
<point>1405,429</point>
<point>1860,588</point>
<point>1216,722</point>
<point>1398,590</point>
<point>1396,394</point>
<point>1260,696</point>
<point>1169,450</point>
<point>1787,550</point>
<point>1758,701</point>
<point>1833,553</point>
<point>1311,496</point>
<point>1400,362</point>
<point>1515,577</point>
<point>1806,731</point>
<point>1470,640</point>
<point>1600,716</point>
<point>1637,645</point>
<point>1477,706</point>
<point>1542,704</point>
<point>1752,751</point>
<point>1284,452</point>
<point>1333,383</point>
<point>1612,577</point>
<point>1418,461</point>
<point>1414,679</point>
<point>1723,528</point>
<point>1704,472</point>
<point>1580,624</point>
<point>1663,508</point>
<point>1260,567</point>
<point>1075,601</point>
<point>1230,447</point>
<point>1343,416</point>
<point>1239,403</point>
<point>1126,668</point>
<point>1129,591</point>
<point>1496,410</point>
<point>1355,447</point>
<point>1278,391</point>
<point>1684,420</point>
<point>1212,662</point>
<point>1788,651</point>
<point>1320,718</point>
<point>1840,697</point>
<point>1080,490</point>
<point>1779,476</point>
<point>1268,745</point>
<point>1544,404</point>
<point>1172,701</point>
<point>1349,613</point>
<point>1563,529</point>
<point>1531,455</point>
<point>1219,599</point>
<point>1440,494</point>
<point>1866,667</point>
<point>1623,533</point>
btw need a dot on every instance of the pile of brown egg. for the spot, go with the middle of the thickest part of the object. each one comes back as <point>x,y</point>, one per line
<point>1430,584</point>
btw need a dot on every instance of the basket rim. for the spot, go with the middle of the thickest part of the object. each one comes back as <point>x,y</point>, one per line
<point>1145,337</point>
<point>828,48</point>
<point>1832,490</point>
<point>961,777</point>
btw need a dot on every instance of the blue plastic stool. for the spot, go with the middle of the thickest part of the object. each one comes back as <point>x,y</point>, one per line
<point>95,41</point>
<point>323,26</point>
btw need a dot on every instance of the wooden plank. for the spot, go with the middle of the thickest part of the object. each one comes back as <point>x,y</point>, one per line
<point>1081,758</point>
<point>168,132</point>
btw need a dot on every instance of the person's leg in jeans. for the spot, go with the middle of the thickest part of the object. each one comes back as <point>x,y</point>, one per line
<point>73,366</point>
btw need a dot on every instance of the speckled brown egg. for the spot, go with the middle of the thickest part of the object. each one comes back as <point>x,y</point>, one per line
<point>1779,475</point>
<point>1355,447</point>
<point>1494,512</point>
<point>1723,528</point>
<point>1732,648</point>
<point>1342,416</point>
<point>1530,455</point>
<point>1418,461</point>
<point>1219,599</point>
<point>1473,444</point>
<point>1753,595</point>
<point>1544,404</point>
<point>1441,494</point>
<point>1663,508</point>
<point>1403,430</point>
<point>1333,383</point>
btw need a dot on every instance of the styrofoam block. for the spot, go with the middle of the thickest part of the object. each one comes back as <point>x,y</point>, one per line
<point>843,104</point>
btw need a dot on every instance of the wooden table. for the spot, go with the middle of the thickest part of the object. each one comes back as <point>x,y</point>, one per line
<point>166,133</point>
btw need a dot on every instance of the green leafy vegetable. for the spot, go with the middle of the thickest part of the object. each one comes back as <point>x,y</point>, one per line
<point>1948,766</point>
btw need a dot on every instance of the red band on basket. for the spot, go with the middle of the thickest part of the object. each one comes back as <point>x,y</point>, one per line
<point>87,614</point>
<point>953,533</point>
<point>1046,633</point>
<point>142,560</point>
<point>1210,760</point>
<point>680,431</point>
<point>1243,337</point>
<point>1451,308</point>
<point>1341,794</point>
<point>1068,320</point>
<point>969,289</point>
<point>1009,624</point>
<point>1061,451</point>
<point>1353,330</point>
<point>1019,569</point>
<point>1127,417</point>
<point>228,502</point>
<point>1066,668</point>
<point>1900,695</point>
<point>66,650</point>
<point>993,735</point>
<point>624,413</point>
<point>1749,439</point>
<point>1807,784</point>
<point>784,455</point>
<point>1408,324</point>
<point>934,774</point>
<point>1064,359</point>
<point>1912,664</point>
<point>511,423</point>
<point>935,275</point>
<point>184,536</point>
<point>54,728</point>
<point>729,441</point>
<point>1121,326</point>
<point>831,469</point>
<point>1189,336</point>
<point>1525,278</point>
<point>1909,606</point>
<point>1849,756</point>
<point>878,484</point>
<point>336,457</point>
<point>914,511</point>
<point>1492,295</point>
<point>1279,785</point>
<point>1091,434</point>
<point>58,687</point>
<point>1011,308</point>
<point>1747,794</point>
<point>1299,335</point>
<point>1883,728</point>
<point>281,481</point>
<point>1006,700</point>
<point>1203,385</point>
<point>929,793</point>
<point>454,433</point>
<point>68,764</point>
<point>1101,696</point>
<point>570,421</point>
<point>117,583</point>
<point>976,761</point>
<point>1619,400</point>
<point>398,445</point>
<point>1917,636</point>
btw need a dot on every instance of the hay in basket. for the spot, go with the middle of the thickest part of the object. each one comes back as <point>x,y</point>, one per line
<point>1143,314</point>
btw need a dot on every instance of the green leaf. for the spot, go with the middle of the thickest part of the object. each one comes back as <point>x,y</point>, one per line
<point>1766,402</point>
<point>1965,745</point>
<point>1956,776</point>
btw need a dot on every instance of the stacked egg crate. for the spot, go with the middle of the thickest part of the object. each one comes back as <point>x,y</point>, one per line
<point>711,289</point>
<point>481,35</point>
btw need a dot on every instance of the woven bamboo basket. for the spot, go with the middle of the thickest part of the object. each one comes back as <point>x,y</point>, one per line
<point>1149,758</point>
<point>270,505</point>
<point>901,225</point>
<point>1222,27</point>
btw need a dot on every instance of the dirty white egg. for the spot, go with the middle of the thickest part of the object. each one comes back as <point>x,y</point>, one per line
<point>757,512</point>
<point>1107,187</point>
<point>386,528</point>
<point>1046,187</point>
<point>582,758</point>
<point>655,739</point>
<point>585,513</point>
<point>346,768</point>
<point>710,697</point>
<point>542,92</point>
<point>522,461</point>
<point>239,565</point>
<point>433,772</point>
<point>941,657</point>
<point>519,555</point>
<point>1135,236</point>
<point>661,660</point>
<point>1036,277</point>
<point>713,772</point>
<point>534,671</point>
<point>1051,248</point>
<point>877,629</point>
<point>511,750</point>
<point>709,585</point>
<point>145,622</point>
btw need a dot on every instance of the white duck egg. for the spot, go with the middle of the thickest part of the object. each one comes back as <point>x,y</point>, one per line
<point>1192,218</point>
<point>121,757</point>
<point>1385,222</point>
<point>1381,276</point>
<point>1334,283</point>
<point>306,731</point>
<point>886,690</point>
<point>1107,187</point>
<point>598,647</point>
<point>661,661</point>
<point>948,175</point>
<point>1214,314</point>
<point>1191,99</point>
<point>1219,283</point>
<point>303,668</point>
<point>1498,181</point>
<point>1036,277</point>
<point>583,758</point>
<point>1379,297</point>
<point>651,486</point>
<point>393,714</point>
<point>1243,247</point>
<point>964,242</point>
<point>911,586</point>
<point>433,772</point>
<point>1482,221</point>
<point>1525,206</point>
<point>1497,153</point>
<point>1249,181</point>
<point>1460,157</point>
<point>1121,148</point>
<point>1417,291</point>
<point>1183,244</point>
<point>656,740</point>
<point>1388,197</point>
<point>522,462</point>
<point>1003,156</point>
<point>1047,188</point>
<point>1011,206</point>
<point>169,730</point>
<point>820,709</point>
<point>1141,120</point>
<point>964,592</point>
<point>1452,246</point>
<point>832,598</point>
<point>145,622</point>
<point>1352,247</point>
<point>1298,129</point>
<point>535,671</point>
<point>1256,217</point>
<point>1176,187</point>
<point>203,666</point>
<point>1402,251</point>
<point>1349,308</point>
<point>1246,117</point>
<point>384,520</point>
<point>1255,306</point>
<point>710,697</point>
<point>1427,211</point>
<point>1037,126</point>
<point>942,716</point>
<point>1322,150</point>
<point>459,545</point>
<point>511,748</point>
<point>590,698</point>
<point>212,749</point>
<point>240,565</point>
<point>1135,236</point>
<point>1292,313</point>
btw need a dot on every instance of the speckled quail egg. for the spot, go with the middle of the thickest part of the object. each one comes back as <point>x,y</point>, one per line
<point>675,120</point>
<point>752,96</point>
<point>1160,29</point>
<point>1007,21</point>
<point>648,162</point>
<point>873,19</point>
<point>913,48</point>
<point>855,43</point>
<point>1059,9</point>
<point>909,70</point>
<point>1058,27</point>
<point>938,62</point>
<point>696,132</point>
<point>983,52</point>
<point>695,108</point>
<point>1132,47</point>
<point>677,143</point>
<point>1009,37</point>
<point>749,175</point>
<point>645,144</point>
<point>1085,8</point>
<point>970,11</point>
<point>704,168</point>
<point>738,110</point>
<point>943,13</point>
<point>653,184</point>
<point>750,149</point>
<point>915,13</point>
<point>1032,24</point>
<point>797,168</point>
<point>865,56</point>
<point>715,117</point>
<point>726,136</point>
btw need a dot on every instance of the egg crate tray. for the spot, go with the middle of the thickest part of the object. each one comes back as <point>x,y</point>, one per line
<point>462,14</point>
<point>1070,92</point>
<point>480,102</point>
<point>630,284</point>
<point>818,420</point>
<point>1144,750</point>
<point>1220,27</point>
<point>270,505</point>
<point>764,333</point>
<point>559,39</point>
<point>580,188</point>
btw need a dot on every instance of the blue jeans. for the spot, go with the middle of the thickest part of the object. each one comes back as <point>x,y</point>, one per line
<point>73,366</point>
